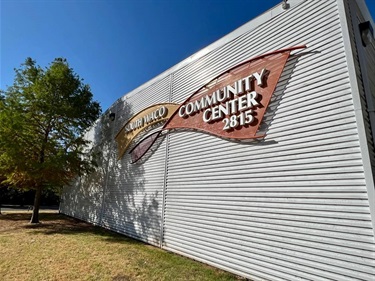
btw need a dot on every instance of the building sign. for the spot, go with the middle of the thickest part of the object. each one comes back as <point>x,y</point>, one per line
<point>231,105</point>
<point>148,117</point>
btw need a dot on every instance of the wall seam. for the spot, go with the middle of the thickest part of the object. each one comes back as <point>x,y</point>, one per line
<point>165,169</point>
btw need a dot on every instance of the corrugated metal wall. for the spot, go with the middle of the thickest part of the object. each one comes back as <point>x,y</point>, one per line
<point>134,193</point>
<point>120,196</point>
<point>293,206</point>
<point>83,199</point>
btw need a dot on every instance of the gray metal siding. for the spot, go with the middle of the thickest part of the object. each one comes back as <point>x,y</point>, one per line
<point>120,196</point>
<point>295,205</point>
<point>362,82</point>
<point>134,192</point>
<point>354,19</point>
<point>83,198</point>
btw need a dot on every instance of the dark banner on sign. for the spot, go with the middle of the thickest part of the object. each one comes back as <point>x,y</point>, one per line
<point>231,105</point>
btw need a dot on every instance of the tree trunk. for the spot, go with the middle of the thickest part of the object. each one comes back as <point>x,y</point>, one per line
<point>35,216</point>
<point>38,191</point>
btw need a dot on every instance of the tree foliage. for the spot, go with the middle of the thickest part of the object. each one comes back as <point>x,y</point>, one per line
<point>43,116</point>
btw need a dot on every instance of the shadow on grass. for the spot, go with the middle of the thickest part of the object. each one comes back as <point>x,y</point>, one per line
<point>15,216</point>
<point>54,223</point>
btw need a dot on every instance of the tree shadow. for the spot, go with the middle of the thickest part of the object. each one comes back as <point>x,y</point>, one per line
<point>116,195</point>
<point>278,94</point>
<point>53,223</point>
<point>15,217</point>
<point>127,198</point>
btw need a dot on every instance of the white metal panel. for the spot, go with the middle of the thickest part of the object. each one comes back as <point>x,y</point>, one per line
<point>134,192</point>
<point>129,106</point>
<point>83,198</point>
<point>291,207</point>
<point>121,196</point>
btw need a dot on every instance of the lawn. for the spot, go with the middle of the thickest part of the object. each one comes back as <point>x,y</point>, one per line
<point>62,248</point>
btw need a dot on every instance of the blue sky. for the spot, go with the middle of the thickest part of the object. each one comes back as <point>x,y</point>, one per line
<point>116,45</point>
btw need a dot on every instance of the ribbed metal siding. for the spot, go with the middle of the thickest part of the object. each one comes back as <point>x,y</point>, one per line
<point>291,207</point>
<point>134,193</point>
<point>83,198</point>
<point>295,205</point>
<point>354,15</point>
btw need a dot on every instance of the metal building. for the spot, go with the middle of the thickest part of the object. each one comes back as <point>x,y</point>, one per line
<point>296,204</point>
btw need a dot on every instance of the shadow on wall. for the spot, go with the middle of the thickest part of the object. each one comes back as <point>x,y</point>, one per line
<point>281,86</point>
<point>154,148</point>
<point>116,196</point>
<point>83,198</point>
<point>132,204</point>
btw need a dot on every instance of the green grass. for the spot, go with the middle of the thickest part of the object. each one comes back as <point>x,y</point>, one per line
<point>62,248</point>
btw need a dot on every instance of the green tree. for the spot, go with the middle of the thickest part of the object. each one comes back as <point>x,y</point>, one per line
<point>43,116</point>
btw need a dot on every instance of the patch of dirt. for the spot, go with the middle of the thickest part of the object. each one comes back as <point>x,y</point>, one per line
<point>49,222</point>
